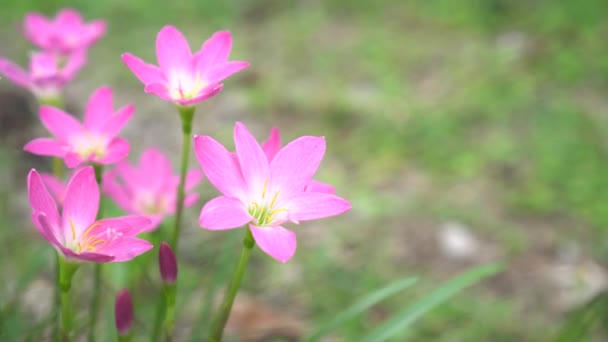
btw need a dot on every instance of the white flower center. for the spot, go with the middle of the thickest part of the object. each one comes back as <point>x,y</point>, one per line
<point>265,211</point>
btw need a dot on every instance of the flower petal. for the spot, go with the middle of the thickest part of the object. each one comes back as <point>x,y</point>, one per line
<point>314,205</point>
<point>15,73</point>
<point>36,28</point>
<point>55,186</point>
<point>146,73</point>
<point>117,121</point>
<point>45,147</point>
<point>190,200</point>
<point>60,123</point>
<point>117,150</point>
<point>41,201</point>
<point>296,163</point>
<point>253,161</point>
<point>130,225</point>
<point>154,170</point>
<point>99,109</point>
<point>214,50</point>
<point>173,52</point>
<point>220,166</point>
<point>73,159</point>
<point>316,186</point>
<point>278,242</point>
<point>125,248</point>
<point>94,30</point>
<point>116,192</point>
<point>41,221</point>
<point>81,200</point>
<point>221,72</point>
<point>159,90</point>
<point>193,178</point>
<point>223,213</point>
<point>273,144</point>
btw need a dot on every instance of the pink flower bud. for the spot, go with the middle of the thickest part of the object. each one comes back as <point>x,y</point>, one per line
<point>167,264</point>
<point>123,312</point>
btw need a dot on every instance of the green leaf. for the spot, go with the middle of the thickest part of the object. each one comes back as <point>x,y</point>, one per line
<point>581,321</point>
<point>362,305</point>
<point>403,319</point>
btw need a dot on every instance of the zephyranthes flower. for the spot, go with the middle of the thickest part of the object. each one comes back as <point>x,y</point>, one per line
<point>65,34</point>
<point>75,233</point>
<point>94,141</point>
<point>149,189</point>
<point>262,193</point>
<point>47,75</point>
<point>180,76</point>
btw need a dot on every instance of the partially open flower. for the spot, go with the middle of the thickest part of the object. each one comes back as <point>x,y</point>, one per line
<point>167,264</point>
<point>123,312</point>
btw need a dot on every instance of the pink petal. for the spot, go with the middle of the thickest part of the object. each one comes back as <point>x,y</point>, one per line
<point>99,109</point>
<point>94,30</point>
<point>190,200</point>
<point>116,192</point>
<point>117,150</point>
<point>316,186</point>
<point>126,248</point>
<point>36,28</point>
<point>159,90</point>
<point>204,94</point>
<point>60,123</point>
<point>278,242</point>
<point>86,256</point>
<point>42,202</point>
<point>68,19</point>
<point>146,73</point>
<point>221,72</point>
<point>223,213</point>
<point>46,229</point>
<point>314,205</point>
<point>214,51</point>
<point>296,163</point>
<point>75,62</point>
<point>81,200</point>
<point>173,52</point>
<point>55,186</point>
<point>73,160</point>
<point>193,178</point>
<point>253,161</point>
<point>155,169</point>
<point>45,147</point>
<point>273,144</point>
<point>15,73</point>
<point>115,123</point>
<point>220,167</point>
<point>130,225</point>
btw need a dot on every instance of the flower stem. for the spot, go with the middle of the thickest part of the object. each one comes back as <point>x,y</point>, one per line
<point>170,294</point>
<point>96,297</point>
<point>186,114</point>
<point>219,322</point>
<point>66,271</point>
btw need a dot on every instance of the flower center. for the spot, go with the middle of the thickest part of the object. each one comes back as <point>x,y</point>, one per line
<point>153,205</point>
<point>90,144</point>
<point>89,241</point>
<point>182,86</point>
<point>264,212</point>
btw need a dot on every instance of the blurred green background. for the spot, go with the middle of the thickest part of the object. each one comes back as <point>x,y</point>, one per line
<point>463,132</point>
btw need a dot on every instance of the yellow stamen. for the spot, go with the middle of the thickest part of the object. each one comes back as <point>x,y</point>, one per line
<point>274,198</point>
<point>72,227</point>
<point>264,189</point>
<point>96,242</point>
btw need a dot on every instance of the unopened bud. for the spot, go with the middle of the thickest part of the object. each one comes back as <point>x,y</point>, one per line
<point>167,264</point>
<point>123,312</point>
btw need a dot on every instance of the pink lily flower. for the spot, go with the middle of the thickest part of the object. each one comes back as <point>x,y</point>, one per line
<point>75,233</point>
<point>273,145</point>
<point>46,77</point>
<point>180,76</point>
<point>65,34</point>
<point>94,141</point>
<point>150,188</point>
<point>262,193</point>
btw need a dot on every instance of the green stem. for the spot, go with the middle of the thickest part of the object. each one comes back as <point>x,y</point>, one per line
<point>186,114</point>
<point>219,322</point>
<point>96,297</point>
<point>66,271</point>
<point>56,102</point>
<point>123,338</point>
<point>170,294</point>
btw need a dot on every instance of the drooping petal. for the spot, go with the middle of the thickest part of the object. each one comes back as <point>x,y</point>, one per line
<point>99,109</point>
<point>220,72</point>
<point>60,123</point>
<point>15,73</point>
<point>316,186</point>
<point>173,51</point>
<point>126,248</point>
<point>41,201</point>
<point>159,90</point>
<point>193,178</point>
<point>45,147</point>
<point>314,205</point>
<point>215,50</point>
<point>296,163</point>
<point>115,123</point>
<point>278,242</point>
<point>146,73</point>
<point>117,150</point>
<point>219,165</point>
<point>253,161</point>
<point>273,144</point>
<point>224,213</point>
<point>81,200</point>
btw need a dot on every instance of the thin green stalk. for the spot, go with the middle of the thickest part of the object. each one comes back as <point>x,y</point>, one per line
<point>66,271</point>
<point>51,101</point>
<point>96,297</point>
<point>186,114</point>
<point>170,294</point>
<point>219,322</point>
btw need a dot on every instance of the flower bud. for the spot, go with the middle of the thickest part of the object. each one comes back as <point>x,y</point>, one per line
<point>167,264</point>
<point>123,312</point>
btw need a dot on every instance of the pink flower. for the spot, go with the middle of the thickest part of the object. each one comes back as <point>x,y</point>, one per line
<point>149,189</point>
<point>94,141</point>
<point>262,193</point>
<point>273,144</point>
<point>64,34</point>
<point>182,77</point>
<point>46,77</point>
<point>56,187</point>
<point>75,233</point>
